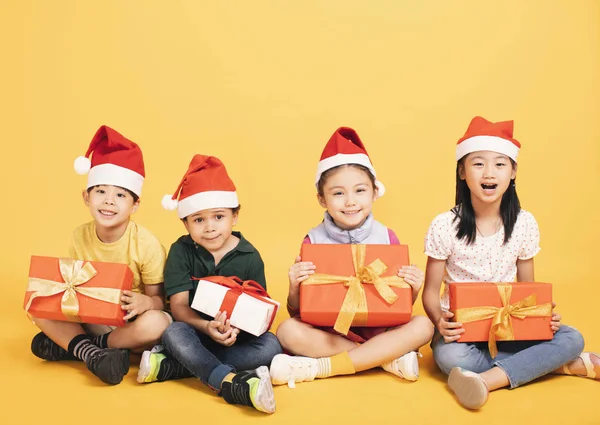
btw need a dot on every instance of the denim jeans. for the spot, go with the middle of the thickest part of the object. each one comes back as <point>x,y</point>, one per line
<point>210,361</point>
<point>522,361</point>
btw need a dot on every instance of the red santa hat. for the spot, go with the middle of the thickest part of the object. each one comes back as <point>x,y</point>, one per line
<point>345,147</point>
<point>483,135</point>
<point>116,160</point>
<point>205,185</point>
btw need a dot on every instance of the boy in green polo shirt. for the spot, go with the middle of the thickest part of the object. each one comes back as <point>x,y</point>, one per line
<point>198,345</point>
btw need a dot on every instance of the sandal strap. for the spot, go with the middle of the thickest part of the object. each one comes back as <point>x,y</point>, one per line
<point>589,366</point>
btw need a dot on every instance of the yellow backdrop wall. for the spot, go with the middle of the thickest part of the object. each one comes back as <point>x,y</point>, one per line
<point>263,84</point>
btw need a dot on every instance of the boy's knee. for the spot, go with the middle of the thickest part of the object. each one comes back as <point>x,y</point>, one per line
<point>290,333</point>
<point>173,332</point>
<point>271,345</point>
<point>152,324</point>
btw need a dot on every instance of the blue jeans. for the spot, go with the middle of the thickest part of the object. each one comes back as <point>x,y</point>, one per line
<point>522,361</point>
<point>210,361</point>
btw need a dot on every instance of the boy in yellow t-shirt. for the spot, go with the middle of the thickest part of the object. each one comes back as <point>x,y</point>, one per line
<point>115,178</point>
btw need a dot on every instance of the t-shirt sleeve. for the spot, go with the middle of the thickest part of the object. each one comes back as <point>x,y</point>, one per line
<point>73,246</point>
<point>256,271</point>
<point>178,271</point>
<point>153,261</point>
<point>439,241</point>
<point>393,238</point>
<point>531,237</point>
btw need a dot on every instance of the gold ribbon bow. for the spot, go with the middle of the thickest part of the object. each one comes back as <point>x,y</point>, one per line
<point>501,328</point>
<point>354,307</point>
<point>74,273</point>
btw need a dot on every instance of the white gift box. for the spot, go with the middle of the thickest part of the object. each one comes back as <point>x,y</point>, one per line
<point>249,314</point>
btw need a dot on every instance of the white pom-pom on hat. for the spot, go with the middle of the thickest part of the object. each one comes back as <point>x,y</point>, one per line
<point>82,165</point>
<point>169,203</point>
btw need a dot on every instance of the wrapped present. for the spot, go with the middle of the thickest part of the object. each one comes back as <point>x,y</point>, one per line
<point>247,304</point>
<point>77,291</point>
<point>355,285</point>
<point>502,311</point>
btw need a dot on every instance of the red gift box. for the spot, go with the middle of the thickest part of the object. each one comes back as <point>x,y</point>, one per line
<point>355,285</point>
<point>77,291</point>
<point>502,311</point>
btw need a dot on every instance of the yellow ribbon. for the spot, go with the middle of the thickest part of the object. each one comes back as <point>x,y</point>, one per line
<point>74,273</point>
<point>501,328</point>
<point>354,309</point>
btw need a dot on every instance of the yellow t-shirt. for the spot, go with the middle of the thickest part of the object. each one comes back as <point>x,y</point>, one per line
<point>138,248</point>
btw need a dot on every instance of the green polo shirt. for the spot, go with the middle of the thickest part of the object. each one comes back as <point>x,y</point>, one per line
<point>187,259</point>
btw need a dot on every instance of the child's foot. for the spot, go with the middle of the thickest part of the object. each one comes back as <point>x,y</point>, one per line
<point>586,365</point>
<point>406,366</point>
<point>46,349</point>
<point>250,388</point>
<point>156,366</point>
<point>291,369</point>
<point>150,365</point>
<point>110,364</point>
<point>470,388</point>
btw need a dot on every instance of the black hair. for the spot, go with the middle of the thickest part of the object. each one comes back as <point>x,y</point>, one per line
<point>133,195</point>
<point>325,174</point>
<point>465,215</point>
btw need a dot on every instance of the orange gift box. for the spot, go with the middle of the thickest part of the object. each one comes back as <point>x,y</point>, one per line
<point>355,285</point>
<point>77,291</point>
<point>502,311</point>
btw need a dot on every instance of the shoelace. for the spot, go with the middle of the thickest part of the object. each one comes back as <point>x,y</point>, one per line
<point>299,372</point>
<point>240,391</point>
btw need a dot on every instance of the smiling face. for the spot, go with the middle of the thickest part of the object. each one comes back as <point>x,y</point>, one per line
<point>488,175</point>
<point>110,206</point>
<point>348,194</point>
<point>212,228</point>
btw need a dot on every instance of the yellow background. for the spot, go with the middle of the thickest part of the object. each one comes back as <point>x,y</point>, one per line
<point>262,85</point>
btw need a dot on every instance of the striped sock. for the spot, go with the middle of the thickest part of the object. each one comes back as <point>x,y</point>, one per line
<point>82,347</point>
<point>101,341</point>
<point>340,364</point>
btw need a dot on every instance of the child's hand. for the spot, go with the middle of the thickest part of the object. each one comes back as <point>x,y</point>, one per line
<point>299,272</point>
<point>135,303</point>
<point>221,331</point>
<point>413,276</point>
<point>555,320</point>
<point>451,331</point>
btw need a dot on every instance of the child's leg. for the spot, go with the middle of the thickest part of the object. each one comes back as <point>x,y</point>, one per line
<point>392,344</point>
<point>195,352</point>
<point>141,334</point>
<point>302,339</point>
<point>524,362</point>
<point>339,355</point>
<point>110,365</point>
<point>586,365</point>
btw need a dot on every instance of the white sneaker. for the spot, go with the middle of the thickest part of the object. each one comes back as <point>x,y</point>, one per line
<point>406,366</point>
<point>291,369</point>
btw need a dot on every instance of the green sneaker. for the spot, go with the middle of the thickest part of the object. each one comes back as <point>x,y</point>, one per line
<point>150,365</point>
<point>250,388</point>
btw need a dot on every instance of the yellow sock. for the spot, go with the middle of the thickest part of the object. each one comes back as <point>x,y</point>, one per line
<point>340,364</point>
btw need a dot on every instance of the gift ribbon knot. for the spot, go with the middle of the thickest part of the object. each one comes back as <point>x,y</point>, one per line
<point>354,309</point>
<point>74,273</point>
<point>501,328</point>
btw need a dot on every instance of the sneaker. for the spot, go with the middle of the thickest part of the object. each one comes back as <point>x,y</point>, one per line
<point>470,388</point>
<point>109,364</point>
<point>46,349</point>
<point>250,388</point>
<point>150,365</point>
<point>291,369</point>
<point>406,366</point>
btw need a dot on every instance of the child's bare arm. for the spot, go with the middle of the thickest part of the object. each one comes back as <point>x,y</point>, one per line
<point>434,274</point>
<point>135,303</point>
